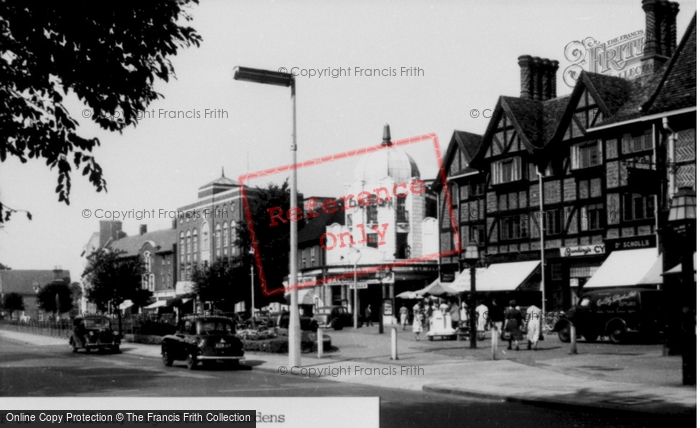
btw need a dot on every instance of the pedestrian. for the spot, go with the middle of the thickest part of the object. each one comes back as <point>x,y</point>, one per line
<point>496,316</point>
<point>454,314</point>
<point>368,315</point>
<point>534,321</point>
<point>513,326</point>
<point>417,320</point>
<point>403,312</point>
<point>463,313</point>
<point>481,314</point>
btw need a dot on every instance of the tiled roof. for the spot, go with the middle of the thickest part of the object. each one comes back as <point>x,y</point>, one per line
<point>527,118</point>
<point>677,89</point>
<point>552,113</point>
<point>23,281</point>
<point>316,226</point>
<point>163,240</point>
<point>469,143</point>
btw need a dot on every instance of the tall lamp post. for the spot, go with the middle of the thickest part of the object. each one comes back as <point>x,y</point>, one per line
<point>356,300</point>
<point>471,255</point>
<point>682,218</point>
<point>276,78</point>
<point>252,288</point>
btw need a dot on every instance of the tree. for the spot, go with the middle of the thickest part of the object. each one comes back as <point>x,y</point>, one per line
<point>272,241</point>
<point>111,278</point>
<point>55,297</point>
<point>13,302</point>
<point>107,54</point>
<point>218,283</point>
<point>76,291</point>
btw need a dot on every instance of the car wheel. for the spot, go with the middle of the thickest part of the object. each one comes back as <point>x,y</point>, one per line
<point>191,361</point>
<point>167,358</point>
<point>336,325</point>
<point>565,333</point>
<point>616,332</point>
<point>115,349</point>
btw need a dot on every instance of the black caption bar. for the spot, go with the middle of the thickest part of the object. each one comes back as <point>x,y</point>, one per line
<point>139,418</point>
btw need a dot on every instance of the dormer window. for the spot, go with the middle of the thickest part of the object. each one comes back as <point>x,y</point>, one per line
<point>586,155</point>
<point>506,170</point>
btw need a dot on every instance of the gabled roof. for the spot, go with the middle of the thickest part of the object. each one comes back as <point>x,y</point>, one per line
<point>316,226</point>
<point>461,142</point>
<point>678,86</point>
<point>23,281</point>
<point>163,241</point>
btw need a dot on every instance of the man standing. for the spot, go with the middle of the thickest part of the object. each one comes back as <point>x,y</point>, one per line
<point>534,319</point>
<point>403,312</point>
<point>368,315</point>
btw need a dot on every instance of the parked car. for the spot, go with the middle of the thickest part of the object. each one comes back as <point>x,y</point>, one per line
<point>614,313</point>
<point>281,320</point>
<point>203,338</point>
<point>94,332</point>
<point>262,319</point>
<point>335,317</point>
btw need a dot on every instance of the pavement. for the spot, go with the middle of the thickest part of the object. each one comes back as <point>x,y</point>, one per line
<point>601,376</point>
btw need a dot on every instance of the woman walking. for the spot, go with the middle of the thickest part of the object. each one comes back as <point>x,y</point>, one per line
<point>417,320</point>
<point>514,323</point>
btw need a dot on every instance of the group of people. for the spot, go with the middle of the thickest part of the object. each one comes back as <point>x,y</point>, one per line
<point>509,323</point>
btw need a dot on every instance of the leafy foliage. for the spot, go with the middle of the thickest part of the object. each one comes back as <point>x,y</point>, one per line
<point>112,278</point>
<point>13,302</point>
<point>219,283</point>
<point>107,53</point>
<point>272,241</point>
<point>55,297</point>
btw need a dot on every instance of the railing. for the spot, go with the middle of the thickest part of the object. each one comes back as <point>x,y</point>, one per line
<point>61,328</point>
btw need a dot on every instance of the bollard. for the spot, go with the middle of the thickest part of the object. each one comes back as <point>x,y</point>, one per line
<point>319,342</point>
<point>494,342</point>
<point>394,345</point>
<point>572,331</point>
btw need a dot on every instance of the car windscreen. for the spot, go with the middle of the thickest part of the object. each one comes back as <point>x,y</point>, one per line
<point>96,323</point>
<point>214,326</point>
<point>323,311</point>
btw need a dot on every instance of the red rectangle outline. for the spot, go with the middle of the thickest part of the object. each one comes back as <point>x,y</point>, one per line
<point>320,160</point>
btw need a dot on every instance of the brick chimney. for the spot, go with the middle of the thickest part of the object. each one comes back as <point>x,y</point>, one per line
<point>538,78</point>
<point>143,229</point>
<point>57,273</point>
<point>660,33</point>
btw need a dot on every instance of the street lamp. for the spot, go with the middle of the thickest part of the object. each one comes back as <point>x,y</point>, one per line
<point>252,288</point>
<point>276,78</point>
<point>471,255</point>
<point>681,217</point>
<point>356,300</point>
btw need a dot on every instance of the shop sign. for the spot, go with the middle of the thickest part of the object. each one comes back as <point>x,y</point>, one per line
<point>360,286</point>
<point>582,250</point>
<point>632,243</point>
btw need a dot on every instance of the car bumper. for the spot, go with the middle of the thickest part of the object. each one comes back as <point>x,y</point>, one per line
<point>219,357</point>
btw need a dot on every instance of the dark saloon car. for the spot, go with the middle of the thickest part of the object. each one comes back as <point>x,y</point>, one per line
<point>94,332</point>
<point>203,338</point>
<point>281,320</point>
<point>335,317</point>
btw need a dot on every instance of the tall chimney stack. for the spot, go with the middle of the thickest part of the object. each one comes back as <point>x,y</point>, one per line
<point>660,33</point>
<point>538,78</point>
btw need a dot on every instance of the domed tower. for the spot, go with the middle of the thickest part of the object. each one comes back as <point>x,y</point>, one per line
<point>387,203</point>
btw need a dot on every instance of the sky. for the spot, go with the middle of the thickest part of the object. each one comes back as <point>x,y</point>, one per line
<point>462,55</point>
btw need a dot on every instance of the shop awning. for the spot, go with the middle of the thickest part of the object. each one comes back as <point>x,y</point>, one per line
<point>678,268</point>
<point>654,274</point>
<point>305,296</point>
<point>126,304</point>
<point>506,276</point>
<point>625,268</point>
<point>157,304</point>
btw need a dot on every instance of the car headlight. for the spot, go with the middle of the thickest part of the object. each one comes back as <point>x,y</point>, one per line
<point>92,333</point>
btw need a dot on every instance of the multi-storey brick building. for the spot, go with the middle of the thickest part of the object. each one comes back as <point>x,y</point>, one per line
<point>607,159</point>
